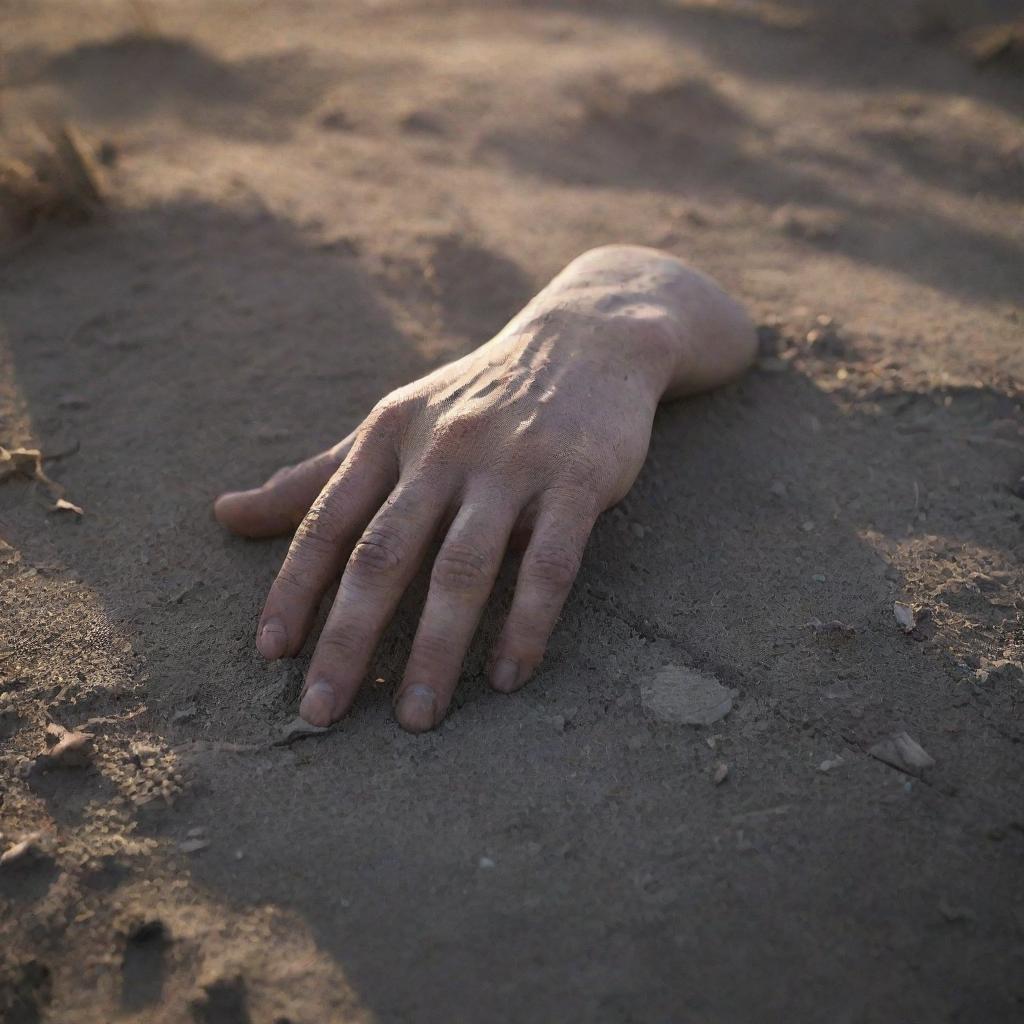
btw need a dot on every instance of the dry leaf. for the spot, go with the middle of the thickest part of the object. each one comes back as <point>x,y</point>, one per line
<point>72,750</point>
<point>28,463</point>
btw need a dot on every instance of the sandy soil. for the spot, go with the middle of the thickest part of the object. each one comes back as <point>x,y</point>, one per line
<point>312,203</point>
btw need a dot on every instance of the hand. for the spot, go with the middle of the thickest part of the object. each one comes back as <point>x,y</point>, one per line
<point>534,434</point>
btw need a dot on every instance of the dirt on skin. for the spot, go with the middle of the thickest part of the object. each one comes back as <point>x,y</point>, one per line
<point>310,204</point>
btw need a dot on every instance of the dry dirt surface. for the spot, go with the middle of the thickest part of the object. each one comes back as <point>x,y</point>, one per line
<point>309,203</point>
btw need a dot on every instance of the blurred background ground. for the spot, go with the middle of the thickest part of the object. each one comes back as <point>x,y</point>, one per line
<point>308,204</point>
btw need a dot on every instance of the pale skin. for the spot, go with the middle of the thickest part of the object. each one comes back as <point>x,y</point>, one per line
<point>524,442</point>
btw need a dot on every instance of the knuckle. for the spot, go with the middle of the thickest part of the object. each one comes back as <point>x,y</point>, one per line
<point>460,567</point>
<point>320,529</point>
<point>527,642</point>
<point>290,577</point>
<point>380,552</point>
<point>432,650</point>
<point>552,567</point>
<point>451,440</point>
<point>387,416</point>
<point>342,644</point>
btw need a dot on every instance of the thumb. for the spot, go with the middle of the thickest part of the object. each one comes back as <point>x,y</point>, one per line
<point>281,503</point>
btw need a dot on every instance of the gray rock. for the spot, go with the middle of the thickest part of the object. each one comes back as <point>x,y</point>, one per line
<point>297,729</point>
<point>902,751</point>
<point>686,696</point>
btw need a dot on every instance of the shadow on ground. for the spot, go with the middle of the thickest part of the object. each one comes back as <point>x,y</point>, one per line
<point>562,826</point>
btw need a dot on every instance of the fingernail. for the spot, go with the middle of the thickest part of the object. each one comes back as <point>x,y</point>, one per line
<point>317,706</point>
<point>505,675</point>
<point>417,708</point>
<point>272,639</point>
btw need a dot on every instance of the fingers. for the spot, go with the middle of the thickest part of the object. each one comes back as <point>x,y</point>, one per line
<point>461,581</point>
<point>546,576</point>
<point>280,504</point>
<point>320,546</point>
<point>380,568</point>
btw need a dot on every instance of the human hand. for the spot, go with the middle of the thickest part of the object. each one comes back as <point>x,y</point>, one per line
<point>533,434</point>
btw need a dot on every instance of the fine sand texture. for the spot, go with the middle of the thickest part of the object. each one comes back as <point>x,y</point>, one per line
<point>307,204</point>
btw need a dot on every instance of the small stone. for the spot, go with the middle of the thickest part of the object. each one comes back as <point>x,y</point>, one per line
<point>73,402</point>
<point>298,729</point>
<point>195,833</point>
<point>819,577</point>
<point>834,627</point>
<point>193,845</point>
<point>954,914</point>
<point>829,763</point>
<point>185,713</point>
<point>21,853</point>
<point>721,773</point>
<point>558,721</point>
<point>778,488</point>
<point>902,751</point>
<point>807,525</point>
<point>486,863</point>
<point>905,617</point>
<point>637,530</point>
<point>63,505</point>
<point>686,696</point>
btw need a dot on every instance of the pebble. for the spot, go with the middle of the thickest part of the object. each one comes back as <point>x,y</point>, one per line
<point>193,845</point>
<point>187,712</point>
<point>686,696</point>
<point>721,773</point>
<point>829,763</point>
<point>486,862</point>
<point>21,853</point>
<point>903,752</point>
<point>778,488</point>
<point>905,617</point>
<point>954,914</point>
<point>834,626</point>
<point>297,729</point>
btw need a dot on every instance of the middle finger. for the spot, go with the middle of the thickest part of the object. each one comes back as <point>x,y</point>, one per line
<point>381,566</point>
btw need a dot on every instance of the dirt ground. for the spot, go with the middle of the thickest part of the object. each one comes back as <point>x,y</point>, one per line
<point>311,203</point>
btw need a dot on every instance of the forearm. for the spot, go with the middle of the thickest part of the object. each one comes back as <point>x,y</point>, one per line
<point>673,325</point>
